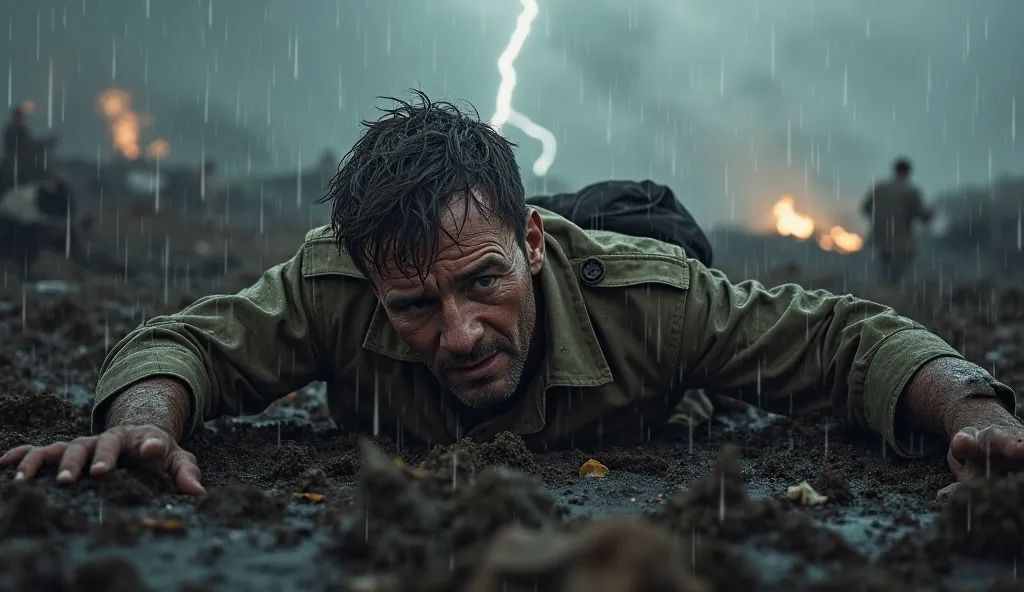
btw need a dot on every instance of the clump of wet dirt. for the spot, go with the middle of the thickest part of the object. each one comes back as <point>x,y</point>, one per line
<point>128,488</point>
<point>716,507</point>
<point>36,418</point>
<point>25,512</point>
<point>608,555</point>
<point>464,460</point>
<point>832,483</point>
<point>41,568</point>
<point>31,567</point>
<point>985,519</point>
<point>110,574</point>
<point>315,481</point>
<point>288,461</point>
<point>238,505</point>
<point>403,519</point>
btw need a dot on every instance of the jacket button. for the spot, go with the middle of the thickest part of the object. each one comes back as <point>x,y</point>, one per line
<point>592,271</point>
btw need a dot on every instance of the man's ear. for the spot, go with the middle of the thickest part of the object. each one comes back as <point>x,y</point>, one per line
<point>534,241</point>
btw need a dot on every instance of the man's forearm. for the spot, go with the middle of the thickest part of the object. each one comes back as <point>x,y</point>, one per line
<point>163,402</point>
<point>949,394</point>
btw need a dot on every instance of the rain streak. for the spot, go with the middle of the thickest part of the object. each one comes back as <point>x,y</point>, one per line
<point>511,295</point>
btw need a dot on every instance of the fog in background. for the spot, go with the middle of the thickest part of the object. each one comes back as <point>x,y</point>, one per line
<point>730,103</point>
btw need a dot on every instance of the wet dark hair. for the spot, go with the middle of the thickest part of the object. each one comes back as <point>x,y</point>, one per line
<point>902,166</point>
<point>393,186</point>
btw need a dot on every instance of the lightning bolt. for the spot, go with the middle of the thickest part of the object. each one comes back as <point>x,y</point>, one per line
<point>504,113</point>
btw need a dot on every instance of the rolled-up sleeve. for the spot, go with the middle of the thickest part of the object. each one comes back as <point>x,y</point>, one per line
<point>792,351</point>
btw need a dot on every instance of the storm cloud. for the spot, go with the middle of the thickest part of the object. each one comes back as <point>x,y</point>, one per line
<point>730,103</point>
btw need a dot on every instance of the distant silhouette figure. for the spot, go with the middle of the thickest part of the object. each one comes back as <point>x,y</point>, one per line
<point>892,207</point>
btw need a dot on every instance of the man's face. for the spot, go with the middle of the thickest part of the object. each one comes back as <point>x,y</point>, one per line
<point>471,320</point>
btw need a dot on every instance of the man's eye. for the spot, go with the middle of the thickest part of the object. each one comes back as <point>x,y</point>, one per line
<point>485,282</point>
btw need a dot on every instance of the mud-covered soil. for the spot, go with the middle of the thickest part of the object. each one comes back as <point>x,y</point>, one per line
<point>295,505</point>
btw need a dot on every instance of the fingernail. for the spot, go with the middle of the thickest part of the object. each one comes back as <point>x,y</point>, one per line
<point>99,465</point>
<point>65,474</point>
<point>149,441</point>
<point>19,476</point>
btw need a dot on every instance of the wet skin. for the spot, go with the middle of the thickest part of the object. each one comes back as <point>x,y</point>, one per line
<point>472,319</point>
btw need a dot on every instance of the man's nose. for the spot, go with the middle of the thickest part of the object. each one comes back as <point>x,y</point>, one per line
<point>461,330</point>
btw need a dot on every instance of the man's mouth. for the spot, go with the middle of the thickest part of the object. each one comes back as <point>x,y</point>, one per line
<point>478,370</point>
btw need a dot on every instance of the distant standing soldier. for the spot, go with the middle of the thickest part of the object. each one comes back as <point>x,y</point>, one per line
<point>22,159</point>
<point>893,206</point>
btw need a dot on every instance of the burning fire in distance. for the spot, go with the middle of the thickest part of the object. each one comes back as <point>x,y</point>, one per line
<point>789,222</point>
<point>115,105</point>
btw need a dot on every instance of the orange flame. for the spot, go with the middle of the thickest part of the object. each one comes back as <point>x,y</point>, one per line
<point>126,125</point>
<point>158,148</point>
<point>840,240</point>
<point>789,222</point>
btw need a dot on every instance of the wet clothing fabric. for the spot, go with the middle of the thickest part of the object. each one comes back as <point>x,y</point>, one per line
<point>632,323</point>
<point>643,209</point>
<point>892,207</point>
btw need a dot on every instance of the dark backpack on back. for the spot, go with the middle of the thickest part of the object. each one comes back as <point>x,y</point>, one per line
<point>643,209</point>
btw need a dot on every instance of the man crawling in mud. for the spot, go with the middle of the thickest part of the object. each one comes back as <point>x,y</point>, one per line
<point>439,304</point>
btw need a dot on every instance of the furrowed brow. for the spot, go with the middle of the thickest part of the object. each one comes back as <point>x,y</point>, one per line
<point>480,267</point>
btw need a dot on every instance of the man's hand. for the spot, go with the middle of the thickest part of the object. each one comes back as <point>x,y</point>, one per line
<point>980,453</point>
<point>953,397</point>
<point>147,447</point>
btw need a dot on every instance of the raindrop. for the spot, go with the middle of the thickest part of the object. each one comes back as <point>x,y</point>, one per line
<point>298,181</point>
<point>721,497</point>
<point>341,93</point>
<point>206,97</point>
<point>49,95</point>
<point>721,75</point>
<point>846,85</point>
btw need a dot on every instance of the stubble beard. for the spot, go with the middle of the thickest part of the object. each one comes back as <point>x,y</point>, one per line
<point>518,353</point>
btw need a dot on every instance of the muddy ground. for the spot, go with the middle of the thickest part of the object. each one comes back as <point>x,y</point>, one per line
<point>295,505</point>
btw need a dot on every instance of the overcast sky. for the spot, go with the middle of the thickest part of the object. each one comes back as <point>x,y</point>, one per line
<point>730,102</point>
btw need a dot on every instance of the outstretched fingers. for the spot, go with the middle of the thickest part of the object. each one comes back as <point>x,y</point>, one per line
<point>14,455</point>
<point>109,446</point>
<point>36,457</point>
<point>75,457</point>
<point>185,472</point>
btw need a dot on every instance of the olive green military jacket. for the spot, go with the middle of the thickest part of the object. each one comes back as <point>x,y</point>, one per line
<point>631,323</point>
